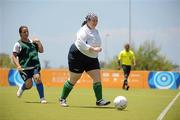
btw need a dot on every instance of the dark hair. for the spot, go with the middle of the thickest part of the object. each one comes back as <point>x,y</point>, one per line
<point>21,27</point>
<point>83,23</point>
<point>127,46</point>
<point>88,17</point>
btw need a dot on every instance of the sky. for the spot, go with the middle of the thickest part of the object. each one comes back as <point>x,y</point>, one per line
<point>55,23</point>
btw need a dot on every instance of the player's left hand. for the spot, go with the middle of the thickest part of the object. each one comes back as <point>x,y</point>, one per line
<point>35,40</point>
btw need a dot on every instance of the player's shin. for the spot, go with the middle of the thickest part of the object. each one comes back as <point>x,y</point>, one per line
<point>40,89</point>
<point>68,86</point>
<point>98,90</point>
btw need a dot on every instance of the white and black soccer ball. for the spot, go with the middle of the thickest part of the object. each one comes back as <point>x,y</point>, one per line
<point>120,102</point>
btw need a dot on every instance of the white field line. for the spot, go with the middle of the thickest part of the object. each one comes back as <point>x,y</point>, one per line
<point>163,113</point>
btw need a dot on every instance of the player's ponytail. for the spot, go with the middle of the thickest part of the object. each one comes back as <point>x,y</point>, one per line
<point>83,23</point>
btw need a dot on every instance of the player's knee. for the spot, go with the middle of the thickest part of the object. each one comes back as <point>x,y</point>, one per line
<point>38,81</point>
<point>37,78</point>
<point>29,85</point>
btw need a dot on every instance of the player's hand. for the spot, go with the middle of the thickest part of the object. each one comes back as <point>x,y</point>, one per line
<point>36,40</point>
<point>39,44</point>
<point>19,68</point>
<point>97,49</point>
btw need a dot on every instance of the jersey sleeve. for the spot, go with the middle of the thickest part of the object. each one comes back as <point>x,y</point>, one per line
<point>82,39</point>
<point>17,47</point>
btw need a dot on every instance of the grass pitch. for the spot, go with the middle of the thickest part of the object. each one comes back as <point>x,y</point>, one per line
<point>143,104</point>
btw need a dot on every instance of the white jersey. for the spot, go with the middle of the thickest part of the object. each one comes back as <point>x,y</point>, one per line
<point>85,39</point>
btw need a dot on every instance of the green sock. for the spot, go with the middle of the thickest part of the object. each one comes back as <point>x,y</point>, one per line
<point>98,90</point>
<point>68,86</point>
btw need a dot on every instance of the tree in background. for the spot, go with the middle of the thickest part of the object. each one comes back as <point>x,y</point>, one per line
<point>112,64</point>
<point>148,57</point>
<point>5,61</point>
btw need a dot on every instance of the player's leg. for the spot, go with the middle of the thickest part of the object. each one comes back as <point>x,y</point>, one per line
<point>68,86</point>
<point>97,87</point>
<point>39,86</point>
<point>27,77</point>
<point>124,67</point>
<point>126,70</point>
<point>127,76</point>
<point>76,69</point>
<point>26,85</point>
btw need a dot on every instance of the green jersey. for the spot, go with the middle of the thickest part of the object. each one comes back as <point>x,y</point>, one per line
<point>27,54</point>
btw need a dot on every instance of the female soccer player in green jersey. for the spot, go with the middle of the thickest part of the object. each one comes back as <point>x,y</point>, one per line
<point>25,56</point>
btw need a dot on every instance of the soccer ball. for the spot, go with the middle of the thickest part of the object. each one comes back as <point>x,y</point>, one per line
<point>120,102</point>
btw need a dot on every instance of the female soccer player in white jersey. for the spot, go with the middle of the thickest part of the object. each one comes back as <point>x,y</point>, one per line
<point>83,56</point>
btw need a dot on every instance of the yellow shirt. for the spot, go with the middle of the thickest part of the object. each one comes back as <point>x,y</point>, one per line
<point>126,58</point>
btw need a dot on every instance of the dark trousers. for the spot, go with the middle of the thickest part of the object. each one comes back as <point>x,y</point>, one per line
<point>126,70</point>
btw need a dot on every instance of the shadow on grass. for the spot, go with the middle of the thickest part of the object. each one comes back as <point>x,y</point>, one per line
<point>35,102</point>
<point>97,107</point>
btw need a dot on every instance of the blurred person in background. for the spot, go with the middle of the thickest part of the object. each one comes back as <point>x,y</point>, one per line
<point>126,59</point>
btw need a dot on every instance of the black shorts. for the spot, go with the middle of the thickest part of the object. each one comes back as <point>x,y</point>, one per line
<point>126,69</point>
<point>26,74</point>
<point>78,62</point>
